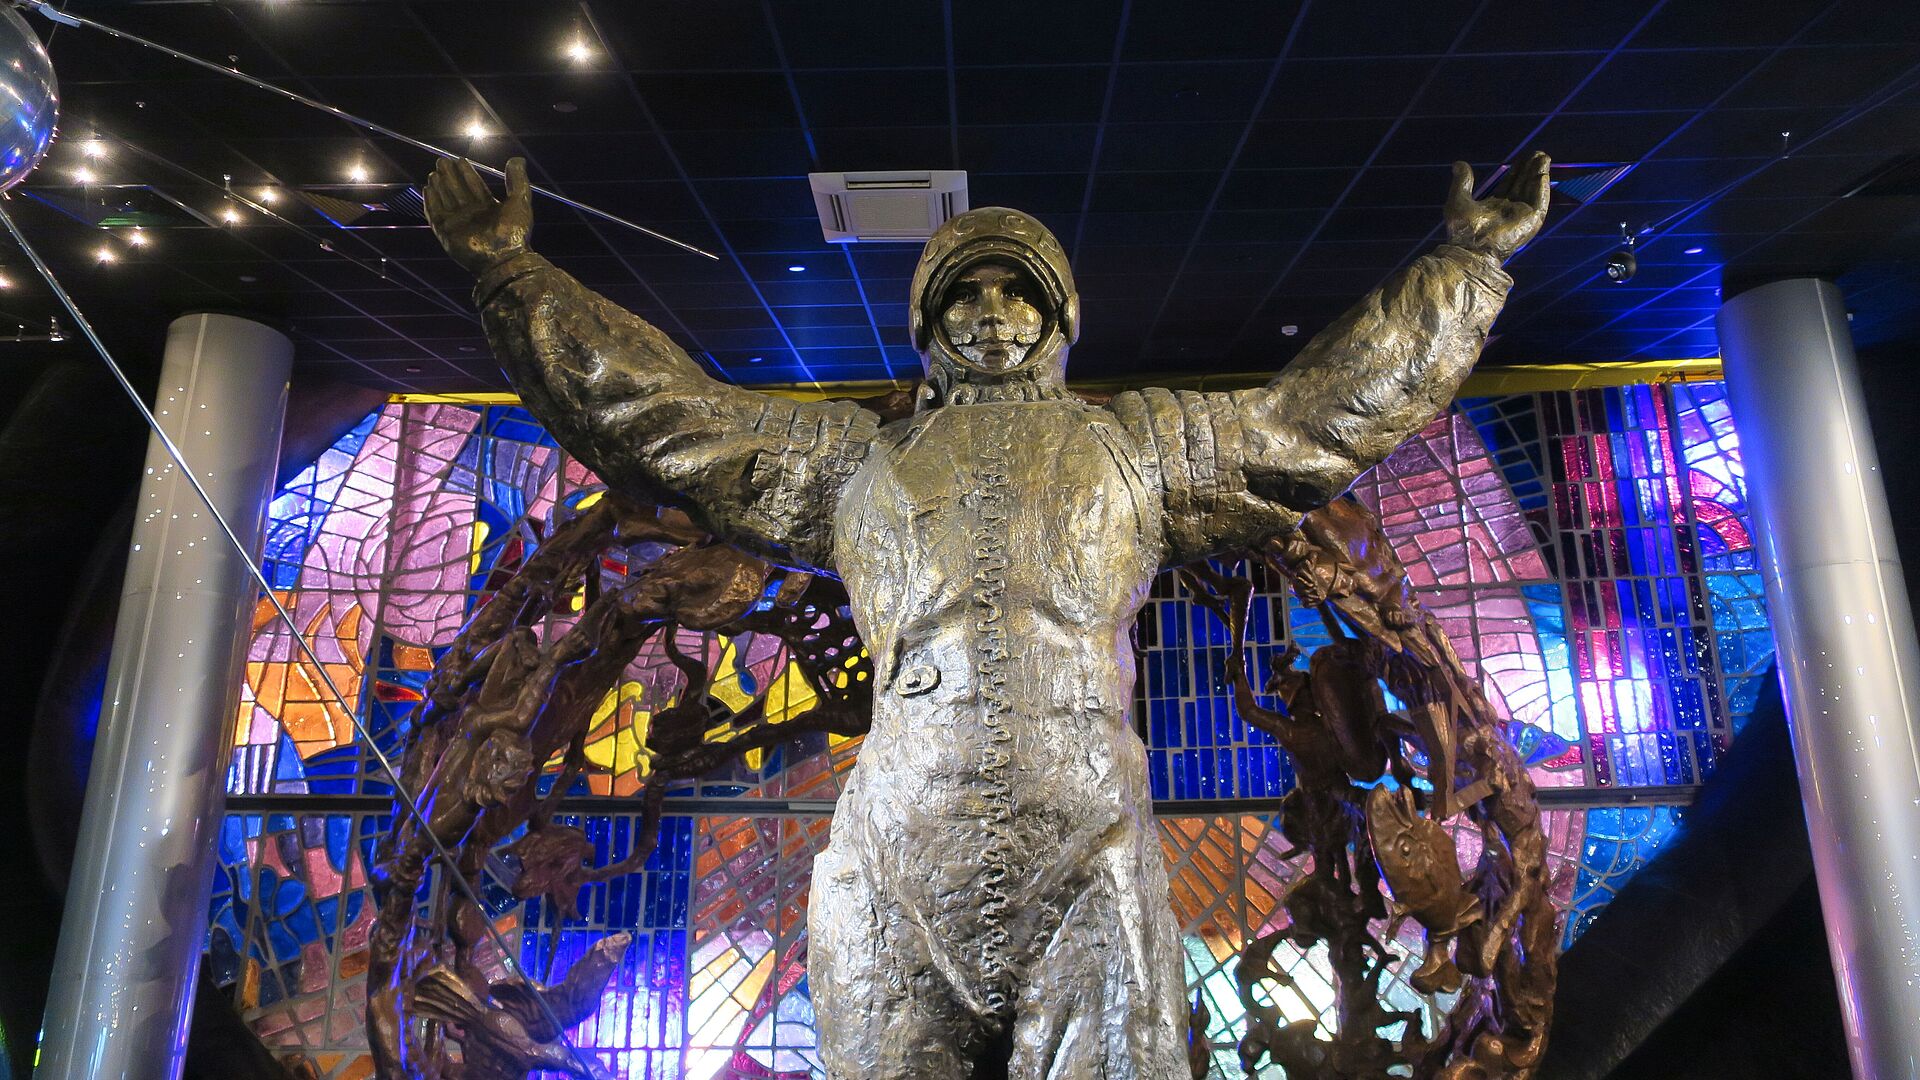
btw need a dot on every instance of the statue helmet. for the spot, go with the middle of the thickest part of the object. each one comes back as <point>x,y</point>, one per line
<point>991,232</point>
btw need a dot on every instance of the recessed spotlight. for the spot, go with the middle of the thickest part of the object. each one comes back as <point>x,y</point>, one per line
<point>84,175</point>
<point>5,282</point>
<point>269,196</point>
<point>357,173</point>
<point>1289,330</point>
<point>137,238</point>
<point>796,268</point>
<point>93,147</point>
<point>413,369</point>
<point>248,278</point>
<point>755,359</point>
<point>105,255</point>
<point>579,51</point>
<point>1694,250</point>
<point>230,214</point>
<point>476,130</point>
<point>469,348</point>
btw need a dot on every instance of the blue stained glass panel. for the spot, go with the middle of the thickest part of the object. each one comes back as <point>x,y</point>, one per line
<point>1619,840</point>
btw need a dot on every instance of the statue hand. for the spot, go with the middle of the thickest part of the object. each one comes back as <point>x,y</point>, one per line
<point>478,230</point>
<point>1507,218</point>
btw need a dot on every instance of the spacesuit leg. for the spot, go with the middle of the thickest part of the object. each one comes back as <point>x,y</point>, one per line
<point>896,1017</point>
<point>1106,999</point>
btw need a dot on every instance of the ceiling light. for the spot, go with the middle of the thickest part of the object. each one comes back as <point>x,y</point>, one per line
<point>1694,250</point>
<point>93,147</point>
<point>357,173</point>
<point>579,52</point>
<point>5,282</point>
<point>137,238</point>
<point>477,130</point>
<point>105,255</point>
<point>795,268</point>
<point>755,359</point>
<point>84,175</point>
<point>269,196</point>
<point>230,214</point>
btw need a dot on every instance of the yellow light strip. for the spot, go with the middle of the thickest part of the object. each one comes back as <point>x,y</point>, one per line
<point>1487,382</point>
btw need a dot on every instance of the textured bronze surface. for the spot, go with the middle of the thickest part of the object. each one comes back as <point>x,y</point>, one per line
<point>1493,934</point>
<point>502,704</point>
<point>994,901</point>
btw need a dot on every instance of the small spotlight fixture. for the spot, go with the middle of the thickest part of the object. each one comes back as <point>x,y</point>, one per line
<point>579,51</point>
<point>84,175</point>
<point>357,172</point>
<point>137,238</point>
<point>1621,264</point>
<point>230,214</point>
<point>1694,250</point>
<point>105,255</point>
<point>756,359</point>
<point>93,147</point>
<point>476,130</point>
<point>269,196</point>
<point>5,282</point>
<point>796,268</point>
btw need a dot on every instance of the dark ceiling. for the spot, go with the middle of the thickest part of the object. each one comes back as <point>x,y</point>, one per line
<point>1219,172</point>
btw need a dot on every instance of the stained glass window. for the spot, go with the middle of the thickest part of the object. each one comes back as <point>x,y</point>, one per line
<point>1588,553</point>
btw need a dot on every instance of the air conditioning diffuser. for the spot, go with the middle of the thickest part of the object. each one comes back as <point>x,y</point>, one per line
<point>861,207</point>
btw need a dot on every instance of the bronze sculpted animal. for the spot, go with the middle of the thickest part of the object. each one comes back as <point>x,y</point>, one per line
<point>1422,867</point>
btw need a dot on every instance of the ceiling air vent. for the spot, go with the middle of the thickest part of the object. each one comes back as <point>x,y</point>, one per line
<point>862,207</point>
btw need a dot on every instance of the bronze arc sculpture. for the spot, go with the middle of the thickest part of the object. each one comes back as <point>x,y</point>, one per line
<point>993,900</point>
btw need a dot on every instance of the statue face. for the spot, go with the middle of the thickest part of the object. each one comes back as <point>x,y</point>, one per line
<point>993,315</point>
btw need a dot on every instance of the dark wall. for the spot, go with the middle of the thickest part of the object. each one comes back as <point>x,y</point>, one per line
<point>1890,375</point>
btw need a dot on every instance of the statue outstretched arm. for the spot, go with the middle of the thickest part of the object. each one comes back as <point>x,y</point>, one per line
<point>620,396</point>
<point>1240,465</point>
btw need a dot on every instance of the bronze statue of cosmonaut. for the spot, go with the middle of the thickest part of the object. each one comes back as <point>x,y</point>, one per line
<point>994,899</point>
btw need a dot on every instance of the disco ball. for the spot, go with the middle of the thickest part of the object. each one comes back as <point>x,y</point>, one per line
<point>29,95</point>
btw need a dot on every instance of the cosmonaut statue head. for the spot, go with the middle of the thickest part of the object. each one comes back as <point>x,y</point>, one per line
<point>993,309</point>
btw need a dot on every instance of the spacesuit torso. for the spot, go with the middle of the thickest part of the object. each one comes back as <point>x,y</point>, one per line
<point>996,555</point>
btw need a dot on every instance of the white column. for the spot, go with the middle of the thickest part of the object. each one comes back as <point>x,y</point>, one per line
<point>1849,665</point>
<point>136,914</point>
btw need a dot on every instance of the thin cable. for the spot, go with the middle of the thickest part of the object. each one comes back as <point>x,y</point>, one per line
<point>260,578</point>
<point>47,9</point>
